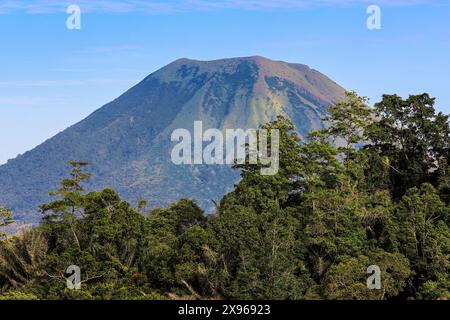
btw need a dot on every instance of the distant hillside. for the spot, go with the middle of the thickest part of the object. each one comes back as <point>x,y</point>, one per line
<point>127,141</point>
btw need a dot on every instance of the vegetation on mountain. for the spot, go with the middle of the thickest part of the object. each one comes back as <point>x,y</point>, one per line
<point>378,196</point>
<point>127,141</point>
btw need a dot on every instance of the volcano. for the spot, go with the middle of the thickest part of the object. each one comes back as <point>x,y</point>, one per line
<point>127,141</point>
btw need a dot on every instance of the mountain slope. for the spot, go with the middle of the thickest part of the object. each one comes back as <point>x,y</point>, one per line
<point>127,141</point>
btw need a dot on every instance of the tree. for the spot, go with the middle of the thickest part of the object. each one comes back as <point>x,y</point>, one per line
<point>332,223</point>
<point>6,218</point>
<point>348,121</point>
<point>424,238</point>
<point>67,209</point>
<point>21,259</point>
<point>173,255</point>
<point>379,196</point>
<point>413,140</point>
<point>69,193</point>
<point>347,280</point>
<point>111,239</point>
<point>255,235</point>
<point>259,191</point>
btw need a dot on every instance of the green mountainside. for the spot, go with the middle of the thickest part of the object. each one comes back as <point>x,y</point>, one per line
<point>127,141</point>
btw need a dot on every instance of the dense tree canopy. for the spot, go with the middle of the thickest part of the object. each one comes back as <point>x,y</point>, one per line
<point>370,189</point>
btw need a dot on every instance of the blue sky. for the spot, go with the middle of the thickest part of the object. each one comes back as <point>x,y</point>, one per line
<point>52,77</point>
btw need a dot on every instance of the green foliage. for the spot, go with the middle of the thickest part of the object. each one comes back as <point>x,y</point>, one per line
<point>424,237</point>
<point>413,139</point>
<point>71,199</point>
<point>347,280</point>
<point>348,120</point>
<point>371,189</point>
<point>21,259</point>
<point>175,240</point>
<point>6,218</point>
<point>18,295</point>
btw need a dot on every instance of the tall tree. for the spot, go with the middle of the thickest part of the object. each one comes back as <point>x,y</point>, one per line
<point>414,140</point>
<point>6,218</point>
<point>69,193</point>
<point>424,235</point>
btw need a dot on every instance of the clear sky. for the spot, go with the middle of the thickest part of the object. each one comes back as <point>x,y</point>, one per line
<point>52,77</point>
